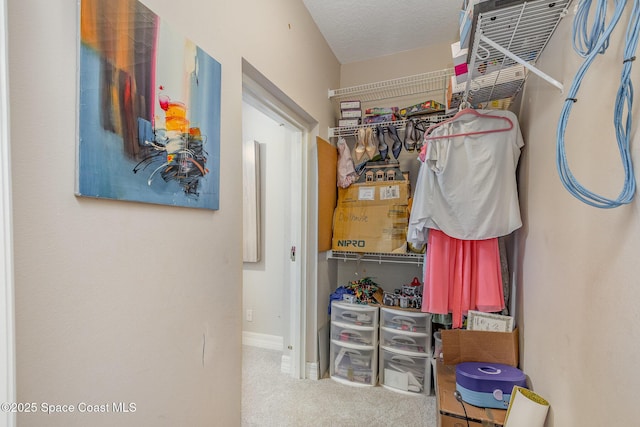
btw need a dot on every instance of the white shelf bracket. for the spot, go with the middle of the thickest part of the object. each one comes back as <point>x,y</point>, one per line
<point>522,62</point>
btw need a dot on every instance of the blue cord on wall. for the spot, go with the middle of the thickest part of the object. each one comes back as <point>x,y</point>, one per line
<point>589,45</point>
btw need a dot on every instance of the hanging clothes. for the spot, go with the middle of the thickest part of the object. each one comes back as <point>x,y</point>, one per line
<point>466,197</point>
<point>468,188</point>
<point>346,169</point>
<point>461,275</point>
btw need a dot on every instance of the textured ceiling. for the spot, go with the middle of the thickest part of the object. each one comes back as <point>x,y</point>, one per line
<point>367,29</point>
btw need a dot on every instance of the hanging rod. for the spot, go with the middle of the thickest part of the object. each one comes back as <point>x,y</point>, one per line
<point>432,118</point>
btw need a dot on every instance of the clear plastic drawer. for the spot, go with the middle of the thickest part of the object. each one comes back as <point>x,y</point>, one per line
<point>406,342</point>
<point>353,365</point>
<point>353,335</point>
<point>410,374</point>
<point>409,321</point>
<point>354,314</point>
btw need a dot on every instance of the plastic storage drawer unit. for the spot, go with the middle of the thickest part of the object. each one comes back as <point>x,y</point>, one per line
<point>354,343</point>
<point>405,350</point>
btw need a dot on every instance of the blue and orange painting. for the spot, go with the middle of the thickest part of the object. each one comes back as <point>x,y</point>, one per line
<point>149,110</point>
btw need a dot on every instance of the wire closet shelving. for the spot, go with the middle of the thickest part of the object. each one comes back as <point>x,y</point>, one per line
<point>507,39</point>
<point>506,43</point>
<point>432,83</point>
<point>400,258</point>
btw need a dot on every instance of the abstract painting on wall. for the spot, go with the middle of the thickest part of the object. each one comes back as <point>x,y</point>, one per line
<point>148,110</point>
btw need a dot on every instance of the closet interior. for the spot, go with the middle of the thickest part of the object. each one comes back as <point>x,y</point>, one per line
<point>427,204</point>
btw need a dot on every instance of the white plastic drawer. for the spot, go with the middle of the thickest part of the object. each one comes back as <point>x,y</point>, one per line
<point>354,314</point>
<point>353,335</point>
<point>411,343</point>
<point>353,365</point>
<point>399,372</point>
<point>409,321</point>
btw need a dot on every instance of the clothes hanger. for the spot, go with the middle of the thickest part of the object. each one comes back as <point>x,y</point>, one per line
<point>464,110</point>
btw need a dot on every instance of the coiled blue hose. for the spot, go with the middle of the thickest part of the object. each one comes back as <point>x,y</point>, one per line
<point>583,41</point>
<point>592,45</point>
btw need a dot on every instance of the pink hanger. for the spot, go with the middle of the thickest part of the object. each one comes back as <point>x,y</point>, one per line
<point>462,113</point>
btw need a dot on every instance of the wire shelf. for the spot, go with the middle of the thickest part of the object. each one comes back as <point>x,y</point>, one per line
<point>346,131</point>
<point>523,30</point>
<point>404,258</point>
<point>435,81</point>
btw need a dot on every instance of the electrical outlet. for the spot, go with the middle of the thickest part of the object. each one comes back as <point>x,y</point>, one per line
<point>249,315</point>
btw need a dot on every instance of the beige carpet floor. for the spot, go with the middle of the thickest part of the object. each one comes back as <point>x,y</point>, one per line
<point>273,399</point>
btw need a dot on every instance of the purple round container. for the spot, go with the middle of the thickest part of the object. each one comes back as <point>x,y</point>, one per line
<point>487,377</point>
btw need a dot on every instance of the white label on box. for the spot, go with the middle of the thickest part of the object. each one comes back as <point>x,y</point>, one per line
<point>390,192</point>
<point>348,122</point>
<point>350,114</point>
<point>366,193</point>
<point>349,105</point>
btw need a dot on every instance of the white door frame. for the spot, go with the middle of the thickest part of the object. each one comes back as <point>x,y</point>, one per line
<point>264,96</point>
<point>295,268</point>
<point>7,334</point>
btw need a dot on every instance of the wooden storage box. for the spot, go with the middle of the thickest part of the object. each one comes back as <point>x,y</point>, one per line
<point>450,411</point>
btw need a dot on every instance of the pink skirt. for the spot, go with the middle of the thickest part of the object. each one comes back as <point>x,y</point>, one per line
<point>461,275</point>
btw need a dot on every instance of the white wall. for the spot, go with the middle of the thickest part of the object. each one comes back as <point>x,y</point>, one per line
<point>579,283</point>
<point>106,308</point>
<point>402,64</point>
<point>264,281</point>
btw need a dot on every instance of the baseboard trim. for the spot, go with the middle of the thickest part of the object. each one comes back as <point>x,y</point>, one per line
<point>285,364</point>
<point>270,342</point>
<point>311,371</point>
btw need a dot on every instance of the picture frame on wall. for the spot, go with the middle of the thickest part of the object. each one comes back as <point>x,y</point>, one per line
<point>148,110</point>
<point>251,212</point>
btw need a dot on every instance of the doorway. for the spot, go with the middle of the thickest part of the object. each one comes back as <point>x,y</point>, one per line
<point>274,286</point>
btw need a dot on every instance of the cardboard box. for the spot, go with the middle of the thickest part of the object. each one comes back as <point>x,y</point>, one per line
<point>459,345</point>
<point>375,193</point>
<point>462,72</point>
<point>426,107</point>
<point>382,118</point>
<point>460,67</point>
<point>348,122</point>
<point>380,111</point>
<point>377,228</point>
<point>450,411</point>
<point>458,54</point>
<point>372,217</point>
